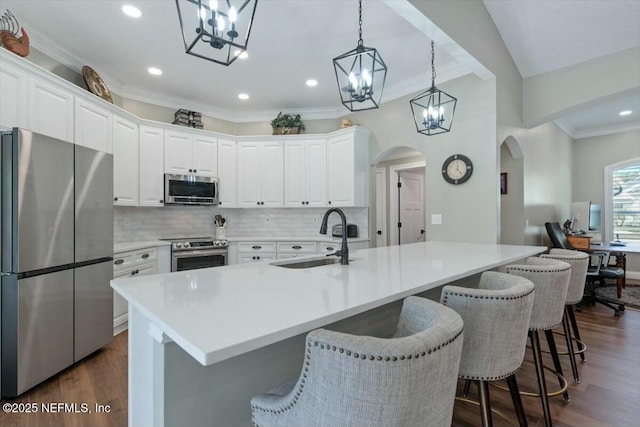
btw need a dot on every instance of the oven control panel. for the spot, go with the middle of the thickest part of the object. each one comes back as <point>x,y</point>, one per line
<point>198,244</point>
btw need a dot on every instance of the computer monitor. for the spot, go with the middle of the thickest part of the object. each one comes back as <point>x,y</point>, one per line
<point>586,216</point>
<point>594,217</point>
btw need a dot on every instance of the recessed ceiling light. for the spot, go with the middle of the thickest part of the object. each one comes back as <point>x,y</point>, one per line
<point>131,11</point>
<point>242,54</point>
<point>154,71</point>
<point>243,96</point>
<point>312,83</point>
<point>625,112</point>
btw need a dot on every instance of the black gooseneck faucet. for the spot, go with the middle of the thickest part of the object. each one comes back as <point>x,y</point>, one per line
<point>343,253</point>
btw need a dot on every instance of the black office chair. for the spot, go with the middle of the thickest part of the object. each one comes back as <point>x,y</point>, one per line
<point>599,270</point>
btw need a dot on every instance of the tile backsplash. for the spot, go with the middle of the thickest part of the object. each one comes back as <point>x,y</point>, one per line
<point>136,223</point>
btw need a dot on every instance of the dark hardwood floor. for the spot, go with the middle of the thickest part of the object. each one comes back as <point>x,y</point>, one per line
<point>608,396</point>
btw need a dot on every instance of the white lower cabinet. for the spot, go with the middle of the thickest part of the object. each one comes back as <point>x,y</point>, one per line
<point>255,251</point>
<point>293,249</point>
<point>141,262</point>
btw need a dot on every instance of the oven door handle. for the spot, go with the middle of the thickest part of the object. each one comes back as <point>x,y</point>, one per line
<point>184,254</point>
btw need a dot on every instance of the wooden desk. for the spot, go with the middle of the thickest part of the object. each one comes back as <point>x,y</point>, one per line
<point>620,252</point>
<point>579,242</point>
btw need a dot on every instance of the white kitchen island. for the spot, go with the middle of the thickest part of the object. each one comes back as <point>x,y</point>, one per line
<point>203,342</point>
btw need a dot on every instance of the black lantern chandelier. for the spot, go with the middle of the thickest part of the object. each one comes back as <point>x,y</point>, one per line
<point>433,109</point>
<point>215,30</point>
<point>361,74</point>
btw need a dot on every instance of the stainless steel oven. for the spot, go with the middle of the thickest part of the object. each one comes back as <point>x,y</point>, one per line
<point>201,252</point>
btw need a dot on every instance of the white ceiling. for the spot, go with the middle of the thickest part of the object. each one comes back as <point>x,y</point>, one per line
<point>546,35</point>
<point>294,40</point>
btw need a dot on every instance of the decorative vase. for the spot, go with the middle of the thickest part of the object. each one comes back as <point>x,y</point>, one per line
<point>286,131</point>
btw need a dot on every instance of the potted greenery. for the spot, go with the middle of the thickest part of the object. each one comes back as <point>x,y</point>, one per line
<point>287,124</point>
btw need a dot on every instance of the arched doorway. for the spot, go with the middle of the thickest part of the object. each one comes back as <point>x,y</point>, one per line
<point>512,222</point>
<point>398,214</point>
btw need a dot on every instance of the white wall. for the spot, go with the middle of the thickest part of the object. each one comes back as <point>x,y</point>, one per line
<point>548,96</point>
<point>512,221</point>
<point>591,156</point>
<point>469,211</point>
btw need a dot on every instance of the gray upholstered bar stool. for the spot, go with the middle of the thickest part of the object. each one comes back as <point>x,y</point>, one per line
<point>347,380</point>
<point>496,321</point>
<point>579,262</point>
<point>551,281</point>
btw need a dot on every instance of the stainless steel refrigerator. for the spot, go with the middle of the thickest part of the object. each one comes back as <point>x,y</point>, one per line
<point>56,200</point>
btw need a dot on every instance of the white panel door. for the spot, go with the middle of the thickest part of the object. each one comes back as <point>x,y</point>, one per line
<point>227,160</point>
<point>50,110</point>
<point>411,207</point>
<point>316,173</point>
<point>295,172</point>
<point>126,162</point>
<point>93,128</point>
<point>151,166</point>
<point>340,171</point>
<point>249,174</point>
<point>205,156</point>
<point>13,98</point>
<point>272,179</point>
<point>178,152</point>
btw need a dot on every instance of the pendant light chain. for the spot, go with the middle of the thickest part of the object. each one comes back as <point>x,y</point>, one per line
<point>360,43</point>
<point>433,67</point>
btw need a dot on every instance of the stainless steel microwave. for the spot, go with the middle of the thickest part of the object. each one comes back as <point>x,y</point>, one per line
<point>190,190</point>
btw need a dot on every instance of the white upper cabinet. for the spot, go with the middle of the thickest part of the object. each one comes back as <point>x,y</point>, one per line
<point>126,162</point>
<point>227,160</point>
<point>50,110</point>
<point>205,155</point>
<point>93,128</point>
<point>151,166</point>
<point>348,168</point>
<point>13,97</point>
<point>185,153</point>
<point>261,176</point>
<point>305,172</point>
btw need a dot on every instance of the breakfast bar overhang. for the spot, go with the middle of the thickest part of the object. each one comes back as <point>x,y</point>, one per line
<point>203,342</point>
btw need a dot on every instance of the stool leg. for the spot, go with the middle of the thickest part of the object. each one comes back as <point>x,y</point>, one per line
<point>467,387</point>
<point>517,401</point>
<point>576,331</point>
<point>556,359</point>
<point>485,404</point>
<point>542,385</point>
<point>572,354</point>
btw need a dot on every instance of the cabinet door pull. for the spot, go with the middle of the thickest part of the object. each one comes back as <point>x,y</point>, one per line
<point>296,247</point>
<point>190,170</point>
<point>195,170</point>
<point>253,257</point>
<point>329,202</point>
<point>161,201</point>
<point>329,248</point>
<point>118,261</point>
<point>115,199</point>
<point>145,256</point>
<point>256,247</point>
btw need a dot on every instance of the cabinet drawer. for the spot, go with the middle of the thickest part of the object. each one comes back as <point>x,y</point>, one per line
<point>123,261</point>
<point>327,248</point>
<point>146,255</point>
<point>256,247</point>
<point>297,248</point>
<point>131,260</point>
<point>244,258</point>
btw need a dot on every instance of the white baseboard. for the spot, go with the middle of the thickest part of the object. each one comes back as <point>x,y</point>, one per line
<point>633,275</point>
<point>120,324</point>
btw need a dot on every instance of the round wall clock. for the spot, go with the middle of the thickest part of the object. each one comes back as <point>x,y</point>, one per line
<point>457,169</point>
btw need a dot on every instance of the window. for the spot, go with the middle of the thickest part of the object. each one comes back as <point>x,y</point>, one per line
<point>623,200</point>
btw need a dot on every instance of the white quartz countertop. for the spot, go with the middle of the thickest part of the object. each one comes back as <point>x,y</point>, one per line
<point>318,238</point>
<point>132,246</point>
<point>218,313</point>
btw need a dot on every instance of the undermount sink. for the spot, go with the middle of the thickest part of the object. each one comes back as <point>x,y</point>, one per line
<point>307,263</point>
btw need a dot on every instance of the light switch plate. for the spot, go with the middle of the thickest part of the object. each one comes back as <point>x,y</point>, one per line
<point>436,219</point>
